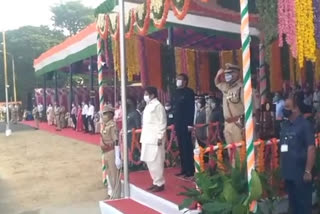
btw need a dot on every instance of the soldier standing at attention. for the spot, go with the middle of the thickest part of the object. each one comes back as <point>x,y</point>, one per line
<point>36,115</point>
<point>62,119</point>
<point>57,116</point>
<point>15,114</point>
<point>110,148</point>
<point>228,81</point>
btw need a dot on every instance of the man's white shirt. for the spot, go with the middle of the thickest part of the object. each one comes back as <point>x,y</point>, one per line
<point>85,109</point>
<point>90,112</point>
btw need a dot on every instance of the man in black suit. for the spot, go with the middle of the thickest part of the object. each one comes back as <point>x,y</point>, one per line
<point>183,107</point>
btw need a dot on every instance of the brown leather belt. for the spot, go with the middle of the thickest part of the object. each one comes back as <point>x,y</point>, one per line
<point>107,147</point>
<point>233,119</point>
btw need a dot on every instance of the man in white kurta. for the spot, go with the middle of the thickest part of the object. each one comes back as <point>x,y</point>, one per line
<point>153,138</point>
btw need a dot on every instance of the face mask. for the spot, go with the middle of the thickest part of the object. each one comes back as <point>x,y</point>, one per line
<point>228,77</point>
<point>179,83</point>
<point>213,105</point>
<point>146,98</point>
<point>167,108</point>
<point>199,105</point>
<point>287,113</point>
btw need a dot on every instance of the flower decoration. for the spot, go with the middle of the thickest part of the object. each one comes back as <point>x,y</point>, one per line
<point>129,23</point>
<point>243,153</point>
<point>305,31</point>
<point>160,10</point>
<point>220,157</point>
<point>114,25</point>
<point>261,160</point>
<point>142,17</point>
<point>180,8</point>
<point>103,26</point>
<point>316,10</point>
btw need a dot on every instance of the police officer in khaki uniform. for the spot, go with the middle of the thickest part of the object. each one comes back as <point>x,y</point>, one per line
<point>110,148</point>
<point>36,116</point>
<point>62,118</point>
<point>230,84</point>
<point>57,117</point>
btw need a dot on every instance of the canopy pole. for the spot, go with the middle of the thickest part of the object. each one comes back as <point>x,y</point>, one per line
<point>45,96</point>
<point>91,79</point>
<point>71,88</point>
<point>56,87</point>
<point>124,99</point>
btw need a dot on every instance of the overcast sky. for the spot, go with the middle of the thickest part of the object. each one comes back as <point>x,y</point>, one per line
<point>17,13</point>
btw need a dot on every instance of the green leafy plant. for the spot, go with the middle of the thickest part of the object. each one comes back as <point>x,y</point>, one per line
<point>224,192</point>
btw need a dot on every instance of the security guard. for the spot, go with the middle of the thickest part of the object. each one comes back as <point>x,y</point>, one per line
<point>110,148</point>
<point>36,116</point>
<point>230,84</point>
<point>57,116</point>
<point>297,157</point>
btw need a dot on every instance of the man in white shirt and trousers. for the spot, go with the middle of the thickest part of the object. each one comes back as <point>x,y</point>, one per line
<point>90,117</point>
<point>153,137</point>
<point>85,109</point>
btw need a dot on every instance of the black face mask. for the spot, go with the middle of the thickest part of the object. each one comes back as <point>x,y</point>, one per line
<point>287,113</point>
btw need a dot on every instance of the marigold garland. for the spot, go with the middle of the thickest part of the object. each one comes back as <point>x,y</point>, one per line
<point>190,67</point>
<point>201,156</point>
<point>180,8</point>
<point>114,25</point>
<point>243,153</point>
<point>160,10</point>
<point>142,17</point>
<point>274,154</point>
<point>103,25</point>
<point>116,57</point>
<point>305,31</point>
<point>220,157</point>
<point>129,20</point>
<point>132,58</point>
<point>261,160</point>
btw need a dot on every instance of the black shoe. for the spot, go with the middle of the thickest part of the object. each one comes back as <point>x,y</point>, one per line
<point>180,174</point>
<point>158,189</point>
<point>151,188</point>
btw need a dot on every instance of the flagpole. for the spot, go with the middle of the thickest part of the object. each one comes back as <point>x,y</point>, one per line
<point>124,99</point>
<point>8,131</point>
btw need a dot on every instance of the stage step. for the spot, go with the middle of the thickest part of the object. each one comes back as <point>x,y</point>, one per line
<point>125,206</point>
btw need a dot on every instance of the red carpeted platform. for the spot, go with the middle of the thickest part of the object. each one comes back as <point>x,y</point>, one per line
<point>67,132</point>
<point>173,186</point>
<point>131,207</point>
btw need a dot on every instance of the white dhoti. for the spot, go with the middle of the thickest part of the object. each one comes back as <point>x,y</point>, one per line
<point>154,156</point>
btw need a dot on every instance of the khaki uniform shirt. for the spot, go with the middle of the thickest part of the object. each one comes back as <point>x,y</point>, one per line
<point>233,105</point>
<point>56,111</point>
<point>109,132</point>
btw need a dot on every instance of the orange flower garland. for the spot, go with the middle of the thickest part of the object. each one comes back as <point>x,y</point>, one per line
<point>220,157</point>
<point>243,153</point>
<point>261,160</point>
<point>130,22</point>
<point>142,14</point>
<point>275,155</point>
<point>103,25</point>
<point>180,14</point>
<point>114,25</point>
<point>155,8</point>
<point>202,150</point>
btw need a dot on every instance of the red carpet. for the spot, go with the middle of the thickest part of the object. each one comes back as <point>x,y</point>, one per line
<point>67,132</point>
<point>173,184</point>
<point>131,207</point>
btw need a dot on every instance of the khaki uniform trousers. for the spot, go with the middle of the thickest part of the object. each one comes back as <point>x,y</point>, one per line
<point>232,133</point>
<point>58,122</point>
<point>114,184</point>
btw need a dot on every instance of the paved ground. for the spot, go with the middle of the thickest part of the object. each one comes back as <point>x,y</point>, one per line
<point>42,173</point>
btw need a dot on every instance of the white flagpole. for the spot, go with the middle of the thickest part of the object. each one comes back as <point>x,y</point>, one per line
<point>124,98</point>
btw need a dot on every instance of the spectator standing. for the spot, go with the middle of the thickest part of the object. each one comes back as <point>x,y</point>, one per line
<point>297,155</point>
<point>184,107</point>
<point>85,110</point>
<point>74,116</point>
<point>79,119</point>
<point>90,117</point>
<point>36,116</point>
<point>153,138</point>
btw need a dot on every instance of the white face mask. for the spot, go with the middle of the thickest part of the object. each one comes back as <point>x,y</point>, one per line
<point>146,98</point>
<point>179,83</point>
<point>167,108</point>
<point>213,105</point>
<point>228,77</point>
<point>199,105</point>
